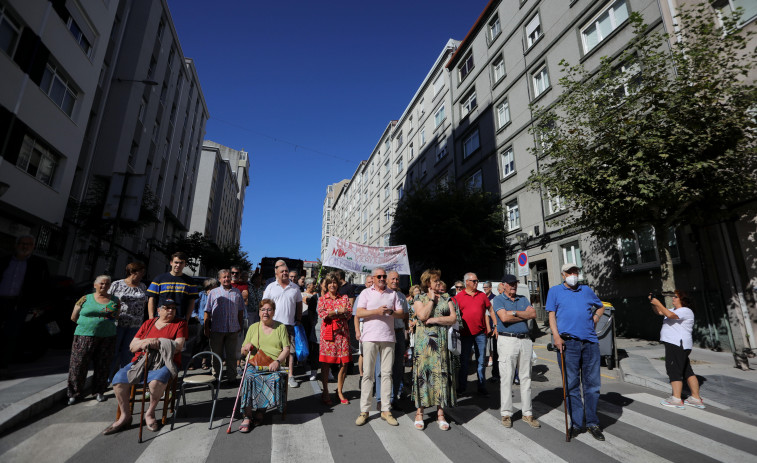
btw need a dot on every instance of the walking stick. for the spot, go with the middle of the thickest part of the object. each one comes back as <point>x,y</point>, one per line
<point>234,410</point>
<point>144,393</point>
<point>564,394</point>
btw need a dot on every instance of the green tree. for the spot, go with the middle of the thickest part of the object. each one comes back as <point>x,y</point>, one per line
<point>663,135</point>
<point>453,229</point>
<point>201,250</point>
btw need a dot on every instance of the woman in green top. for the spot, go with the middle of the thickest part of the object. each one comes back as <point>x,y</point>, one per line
<point>262,386</point>
<point>95,316</point>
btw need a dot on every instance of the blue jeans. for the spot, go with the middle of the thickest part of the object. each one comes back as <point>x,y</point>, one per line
<point>124,336</point>
<point>582,374</point>
<point>478,344</point>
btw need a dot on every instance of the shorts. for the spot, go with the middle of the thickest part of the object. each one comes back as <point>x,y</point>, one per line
<point>162,374</point>
<point>677,364</point>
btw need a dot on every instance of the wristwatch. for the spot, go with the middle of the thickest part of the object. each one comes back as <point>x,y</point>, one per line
<point>514,313</point>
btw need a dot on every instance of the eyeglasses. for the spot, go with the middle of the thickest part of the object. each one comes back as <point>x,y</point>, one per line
<point>235,273</point>
<point>459,287</point>
<point>474,281</point>
<point>380,277</point>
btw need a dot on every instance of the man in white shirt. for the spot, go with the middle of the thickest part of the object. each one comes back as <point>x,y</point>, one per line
<point>288,298</point>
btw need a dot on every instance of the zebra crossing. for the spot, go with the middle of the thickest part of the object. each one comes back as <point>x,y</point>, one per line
<point>636,427</point>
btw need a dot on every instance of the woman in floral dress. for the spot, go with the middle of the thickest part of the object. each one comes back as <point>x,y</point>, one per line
<point>434,366</point>
<point>335,310</point>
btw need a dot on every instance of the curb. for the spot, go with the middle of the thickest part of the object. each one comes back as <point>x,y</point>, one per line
<point>35,404</point>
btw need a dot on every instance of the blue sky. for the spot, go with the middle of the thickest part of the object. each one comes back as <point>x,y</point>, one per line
<point>307,88</point>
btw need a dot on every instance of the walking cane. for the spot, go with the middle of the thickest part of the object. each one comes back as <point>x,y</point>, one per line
<point>564,394</point>
<point>144,393</point>
<point>234,410</point>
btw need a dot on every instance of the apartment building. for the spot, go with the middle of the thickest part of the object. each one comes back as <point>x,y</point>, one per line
<point>219,193</point>
<point>327,220</point>
<point>145,129</point>
<point>50,60</point>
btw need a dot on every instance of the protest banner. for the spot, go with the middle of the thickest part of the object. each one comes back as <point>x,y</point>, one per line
<point>360,258</point>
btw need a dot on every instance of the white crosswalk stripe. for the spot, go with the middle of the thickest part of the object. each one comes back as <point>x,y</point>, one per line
<point>299,439</point>
<point>508,442</point>
<point>614,446</point>
<point>187,442</point>
<point>403,449</point>
<point>662,430</point>
<point>733,426</point>
<point>36,448</point>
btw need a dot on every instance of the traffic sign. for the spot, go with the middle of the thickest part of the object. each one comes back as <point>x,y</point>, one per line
<point>522,264</point>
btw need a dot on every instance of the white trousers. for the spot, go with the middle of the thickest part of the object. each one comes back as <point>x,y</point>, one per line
<point>514,353</point>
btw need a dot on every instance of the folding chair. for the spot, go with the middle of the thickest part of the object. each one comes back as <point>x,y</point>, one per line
<point>202,379</point>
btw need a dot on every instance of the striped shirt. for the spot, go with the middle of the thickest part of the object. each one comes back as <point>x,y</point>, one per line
<point>179,288</point>
<point>224,306</point>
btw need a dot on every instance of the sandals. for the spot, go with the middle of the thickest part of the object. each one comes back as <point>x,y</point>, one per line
<point>154,427</point>
<point>344,401</point>
<point>245,428</point>
<point>443,425</point>
<point>419,424</point>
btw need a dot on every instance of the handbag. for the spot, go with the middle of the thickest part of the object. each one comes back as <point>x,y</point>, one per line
<point>301,349</point>
<point>453,339</point>
<point>261,359</point>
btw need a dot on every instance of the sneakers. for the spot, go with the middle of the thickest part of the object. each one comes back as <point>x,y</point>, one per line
<point>531,421</point>
<point>507,421</point>
<point>387,416</point>
<point>362,419</point>
<point>696,403</point>
<point>72,400</point>
<point>672,402</point>
<point>293,382</point>
<point>313,375</point>
<point>101,398</point>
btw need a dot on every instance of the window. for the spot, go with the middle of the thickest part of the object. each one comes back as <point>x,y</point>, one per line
<point>468,104</point>
<point>421,111</point>
<point>555,203</point>
<point>387,146</point>
<point>171,56</point>
<point>365,237</point>
<point>387,169</point>
<point>410,178</point>
<point>59,89</point>
<point>540,80</point>
<point>571,254</point>
<point>400,166</point>
<point>533,31</point>
<point>423,167</point>
<point>631,79</point>
<point>141,112</point>
<point>399,141</point>
<point>365,216</point>
<point>151,68</point>
<point>513,215</point>
<point>508,162</point>
<point>161,27</point>
<point>443,181</point>
<point>498,69</point>
<point>133,154</point>
<point>727,7</point>
<point>503,114</point>
<point>411,151</point>
<point>474,182</point>
<point>386,191</point>
<point>609,19</point>
<point>371,231</point>
<point>640,248</point>
<point>10,29</point>
<point>471,144</point>
<point>494,28</point>
<point>438,84</point>
<point>37,161</point>
<point>387,214</point>
<point>423,137</point>
<point>400,192</point>
<point>439,116</point>
<point>441,151</point>
<point>465,67</point>
<point>79,36</point>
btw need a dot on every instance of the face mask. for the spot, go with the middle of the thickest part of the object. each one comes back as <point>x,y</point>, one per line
<point>572,280</point>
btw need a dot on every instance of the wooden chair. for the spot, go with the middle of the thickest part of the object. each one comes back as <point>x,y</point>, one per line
<point>169,399</point>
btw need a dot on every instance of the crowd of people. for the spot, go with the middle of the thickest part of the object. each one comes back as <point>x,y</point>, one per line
<point>251,325</point>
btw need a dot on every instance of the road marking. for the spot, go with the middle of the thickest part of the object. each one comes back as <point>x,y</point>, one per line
<point>726,424</point>
<point>614,447</point>
<point>54,443</point>
<point>187,442</point>
<point>301,438</point>
<point>682,437</point>
<point>400,448</point>
<point>506,442</point>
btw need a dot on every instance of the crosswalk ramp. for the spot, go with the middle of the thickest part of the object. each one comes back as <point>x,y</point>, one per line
<point>636,427</point>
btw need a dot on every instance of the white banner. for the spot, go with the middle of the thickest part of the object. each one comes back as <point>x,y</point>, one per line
<point>359,258</point>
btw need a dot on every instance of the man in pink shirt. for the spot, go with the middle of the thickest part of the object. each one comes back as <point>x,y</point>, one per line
<point>378,306</point>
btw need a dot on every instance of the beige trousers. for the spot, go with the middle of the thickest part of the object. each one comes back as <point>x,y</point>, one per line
<point>382,352</point>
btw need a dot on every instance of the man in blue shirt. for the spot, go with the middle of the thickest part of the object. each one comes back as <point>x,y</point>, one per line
<point>515,349</point>
<point>573,313</point>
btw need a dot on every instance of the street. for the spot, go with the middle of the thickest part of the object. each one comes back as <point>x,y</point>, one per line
<point>636,427</point>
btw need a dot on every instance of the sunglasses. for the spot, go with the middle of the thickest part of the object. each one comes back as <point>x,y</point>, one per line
<point>380,277</point>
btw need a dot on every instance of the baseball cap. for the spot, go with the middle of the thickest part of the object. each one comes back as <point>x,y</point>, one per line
<point>509,279</point>
<point>566,267</point>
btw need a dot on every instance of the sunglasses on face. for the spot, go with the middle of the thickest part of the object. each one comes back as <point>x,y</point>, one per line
<point>380,277</point>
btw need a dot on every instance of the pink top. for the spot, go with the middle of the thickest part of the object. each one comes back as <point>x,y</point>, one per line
<point>380,328</point>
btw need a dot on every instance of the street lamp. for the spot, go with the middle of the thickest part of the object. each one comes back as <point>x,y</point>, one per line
<point>522,238</point>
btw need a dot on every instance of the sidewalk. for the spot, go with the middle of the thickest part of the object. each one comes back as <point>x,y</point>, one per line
<point>36,387</point>
<point>722,384</point>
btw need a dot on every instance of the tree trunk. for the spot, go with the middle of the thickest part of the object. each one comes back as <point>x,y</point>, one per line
<point>667,273</point>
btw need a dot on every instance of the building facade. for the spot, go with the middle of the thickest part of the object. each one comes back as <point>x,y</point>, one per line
<point>50,61</point>
<point>327,220</point>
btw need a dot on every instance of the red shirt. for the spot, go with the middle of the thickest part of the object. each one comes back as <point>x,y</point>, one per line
<point>174,330</point>
<point>473,309</point>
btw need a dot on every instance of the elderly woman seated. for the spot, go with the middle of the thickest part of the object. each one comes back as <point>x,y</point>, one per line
<point>163,338</point>
<point>263,387</point>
